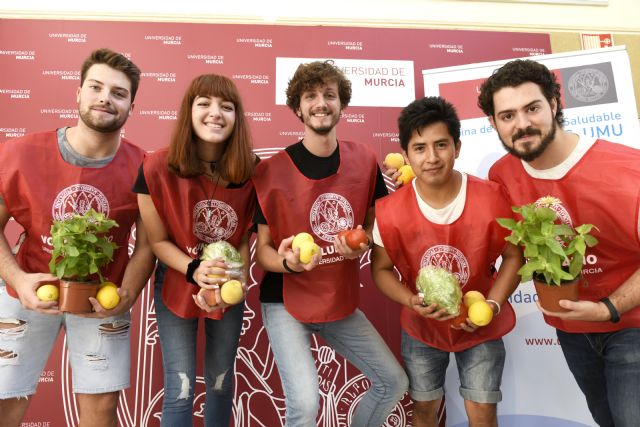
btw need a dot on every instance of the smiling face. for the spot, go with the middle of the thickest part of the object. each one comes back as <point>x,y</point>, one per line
<point>431,154</point>
<point>524,120</point>
<point>213,119</point>
<point>320,108</point>
<point>104,99</point>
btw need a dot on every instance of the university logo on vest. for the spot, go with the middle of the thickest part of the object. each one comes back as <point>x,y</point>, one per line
<point>449,258</point>
<point>214,220</point>
<point>78,199</point>
<point>330,214</point>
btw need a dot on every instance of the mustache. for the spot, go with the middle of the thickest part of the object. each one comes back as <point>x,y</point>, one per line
<point>102,107</point>
<point>529,131</point>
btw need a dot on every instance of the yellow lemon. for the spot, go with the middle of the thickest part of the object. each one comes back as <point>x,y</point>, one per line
<point>108,297</point>
<point>107,283</point>
<point>471,297</point>
<point>394,160</point>
<point>48,293</point>
<point>406,174</point>
<point>480,313</point>
<point>231,292</point>
<point>307,251</point>
<point>300,238</point>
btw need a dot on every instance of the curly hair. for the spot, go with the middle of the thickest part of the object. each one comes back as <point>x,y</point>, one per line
<point>309,76</point>
<point>117,62</point>
<point>515,73</point>
<point>424,112</point>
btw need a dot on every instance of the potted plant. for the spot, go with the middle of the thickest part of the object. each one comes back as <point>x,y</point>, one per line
<point>554,252</point>
<point>81,247</point>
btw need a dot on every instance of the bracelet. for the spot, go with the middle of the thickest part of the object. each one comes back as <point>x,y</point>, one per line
<point>289,269</point>
<point>191,268</point>
<point>496,303</point>
<point>615,316</point>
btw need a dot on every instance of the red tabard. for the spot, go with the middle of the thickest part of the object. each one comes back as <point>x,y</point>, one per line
<point>38,186</point>
<point>293,203</point>
<point>467,248</point>
<point>601,189</point>
<point>195,212</point>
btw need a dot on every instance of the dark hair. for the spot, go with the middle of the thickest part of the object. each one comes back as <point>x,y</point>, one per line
<point>515,73</point>
<point>116,61</point>
<point>238,161</point>
<point>424,112</point>
<point>313,74</point>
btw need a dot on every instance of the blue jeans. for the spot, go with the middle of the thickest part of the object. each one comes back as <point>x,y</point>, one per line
<point>357,341</point>
<point>178,339</point>
<point>606,367</point>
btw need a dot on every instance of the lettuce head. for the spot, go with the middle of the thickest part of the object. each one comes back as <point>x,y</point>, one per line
<point>441,287</point>
<point>224,250</point>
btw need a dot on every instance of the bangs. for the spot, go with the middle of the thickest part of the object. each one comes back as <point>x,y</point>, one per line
<point>210,85</point>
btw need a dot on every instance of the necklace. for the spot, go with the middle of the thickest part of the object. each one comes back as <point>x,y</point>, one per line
<point>210,176</point>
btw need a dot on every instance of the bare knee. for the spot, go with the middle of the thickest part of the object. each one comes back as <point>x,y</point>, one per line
<point>98,409</point>
<point>425,414</point>
<point>481,414</point>
<point>13,411</point>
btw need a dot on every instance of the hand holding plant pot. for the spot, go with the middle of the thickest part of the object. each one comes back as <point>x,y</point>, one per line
<point>554,252</point>
<point>81,247</point>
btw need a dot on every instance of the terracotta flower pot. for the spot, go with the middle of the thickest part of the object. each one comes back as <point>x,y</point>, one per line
<point>74,296</point>
<point>549,295</point>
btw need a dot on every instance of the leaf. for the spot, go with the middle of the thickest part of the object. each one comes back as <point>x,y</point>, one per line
<point>508,223</point>
<point>590,240</point>
<point>527,270</point>
<point>584,228</point>
<point>555,247</point>
<point>545,214</point>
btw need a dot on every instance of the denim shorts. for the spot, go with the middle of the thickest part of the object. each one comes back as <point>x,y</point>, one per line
<point>480,369</point>
<point>98,349</point>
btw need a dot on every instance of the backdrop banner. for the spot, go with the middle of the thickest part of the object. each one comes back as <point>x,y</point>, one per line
<point>40,62</point>
<point>598,101</point>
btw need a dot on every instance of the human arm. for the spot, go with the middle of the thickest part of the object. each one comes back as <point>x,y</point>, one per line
<point>25,284</point>
<point>271,259</point>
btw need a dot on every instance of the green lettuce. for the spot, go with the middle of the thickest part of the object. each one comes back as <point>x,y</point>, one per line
<point>441,287</point>
<point>224,250</point>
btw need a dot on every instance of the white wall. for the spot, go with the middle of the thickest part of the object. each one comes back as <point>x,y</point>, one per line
<point>618,16</point>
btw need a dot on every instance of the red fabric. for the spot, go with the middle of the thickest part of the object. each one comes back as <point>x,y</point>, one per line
<point>38,186</point>
<point>467,248</point>
<point>292,204</point>
<point>195,212</point>
<point>601,189</point>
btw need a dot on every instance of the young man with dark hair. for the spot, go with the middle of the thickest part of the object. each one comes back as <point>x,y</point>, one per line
<point>597,182</point>
<point>312,187</point>
<point>47,176</point>
<point>445,219</point>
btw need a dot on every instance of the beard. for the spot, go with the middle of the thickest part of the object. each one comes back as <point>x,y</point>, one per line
<point>322,129</point>
<point>529,153</point>
<point>102,126</point>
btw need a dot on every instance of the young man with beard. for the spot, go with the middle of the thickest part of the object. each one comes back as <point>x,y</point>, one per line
<point>446,219</point>
<point>314,187</point>
<point>597,182</point>
<point>51,175</point>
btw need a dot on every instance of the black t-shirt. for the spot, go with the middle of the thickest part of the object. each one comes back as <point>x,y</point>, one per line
<point>141,187</point>
<point>313,167</point>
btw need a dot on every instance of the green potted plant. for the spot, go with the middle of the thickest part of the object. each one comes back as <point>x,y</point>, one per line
<point>554,252</point>
<point>81,247</point>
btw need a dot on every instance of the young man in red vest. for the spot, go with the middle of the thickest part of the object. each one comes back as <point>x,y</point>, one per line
<point>314,186</point>
<point>597,182</point>
<point>445,218</point>
<point>51,175</point>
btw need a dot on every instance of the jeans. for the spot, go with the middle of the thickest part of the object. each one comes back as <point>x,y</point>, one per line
<point>606,367</point>
<point>178,339</point>
<point>357,341</point>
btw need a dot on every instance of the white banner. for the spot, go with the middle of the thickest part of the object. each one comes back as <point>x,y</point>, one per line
<point>374,83</point>
<point>598,100</point>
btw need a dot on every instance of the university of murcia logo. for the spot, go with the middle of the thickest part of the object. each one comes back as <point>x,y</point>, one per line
<point>78,199</point>
<point>555,205</point>
<point>588,85</point>
<point>330,214</point>
<point>448,258</point>
<point>214,220</point>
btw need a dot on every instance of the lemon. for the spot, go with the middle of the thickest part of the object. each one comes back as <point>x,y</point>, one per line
<point>231,292</point>
<point>406,174</point>
<point>107,283</point>
<point>307,251</point>
<point>471,297</point>
<point>394,160</point>
<point>480,313</point>
<point>301,238</point>
<point>48,293</point>
<point>108,297</point>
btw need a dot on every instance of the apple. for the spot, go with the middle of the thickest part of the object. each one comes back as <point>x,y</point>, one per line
<point>461,318</point>
<point>209,296</point>
<point>394,160</point>
<point>355,237</point>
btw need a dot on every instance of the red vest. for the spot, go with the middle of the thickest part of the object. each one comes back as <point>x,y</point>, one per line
<point>467,248</point>
<point>601,189</point>
<point>195,212</point>
<point>38,186</point>
<point>293,203</point>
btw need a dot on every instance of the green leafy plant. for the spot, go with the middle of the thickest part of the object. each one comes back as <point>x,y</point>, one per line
<point>81,246</point>
<point>554,252</point>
